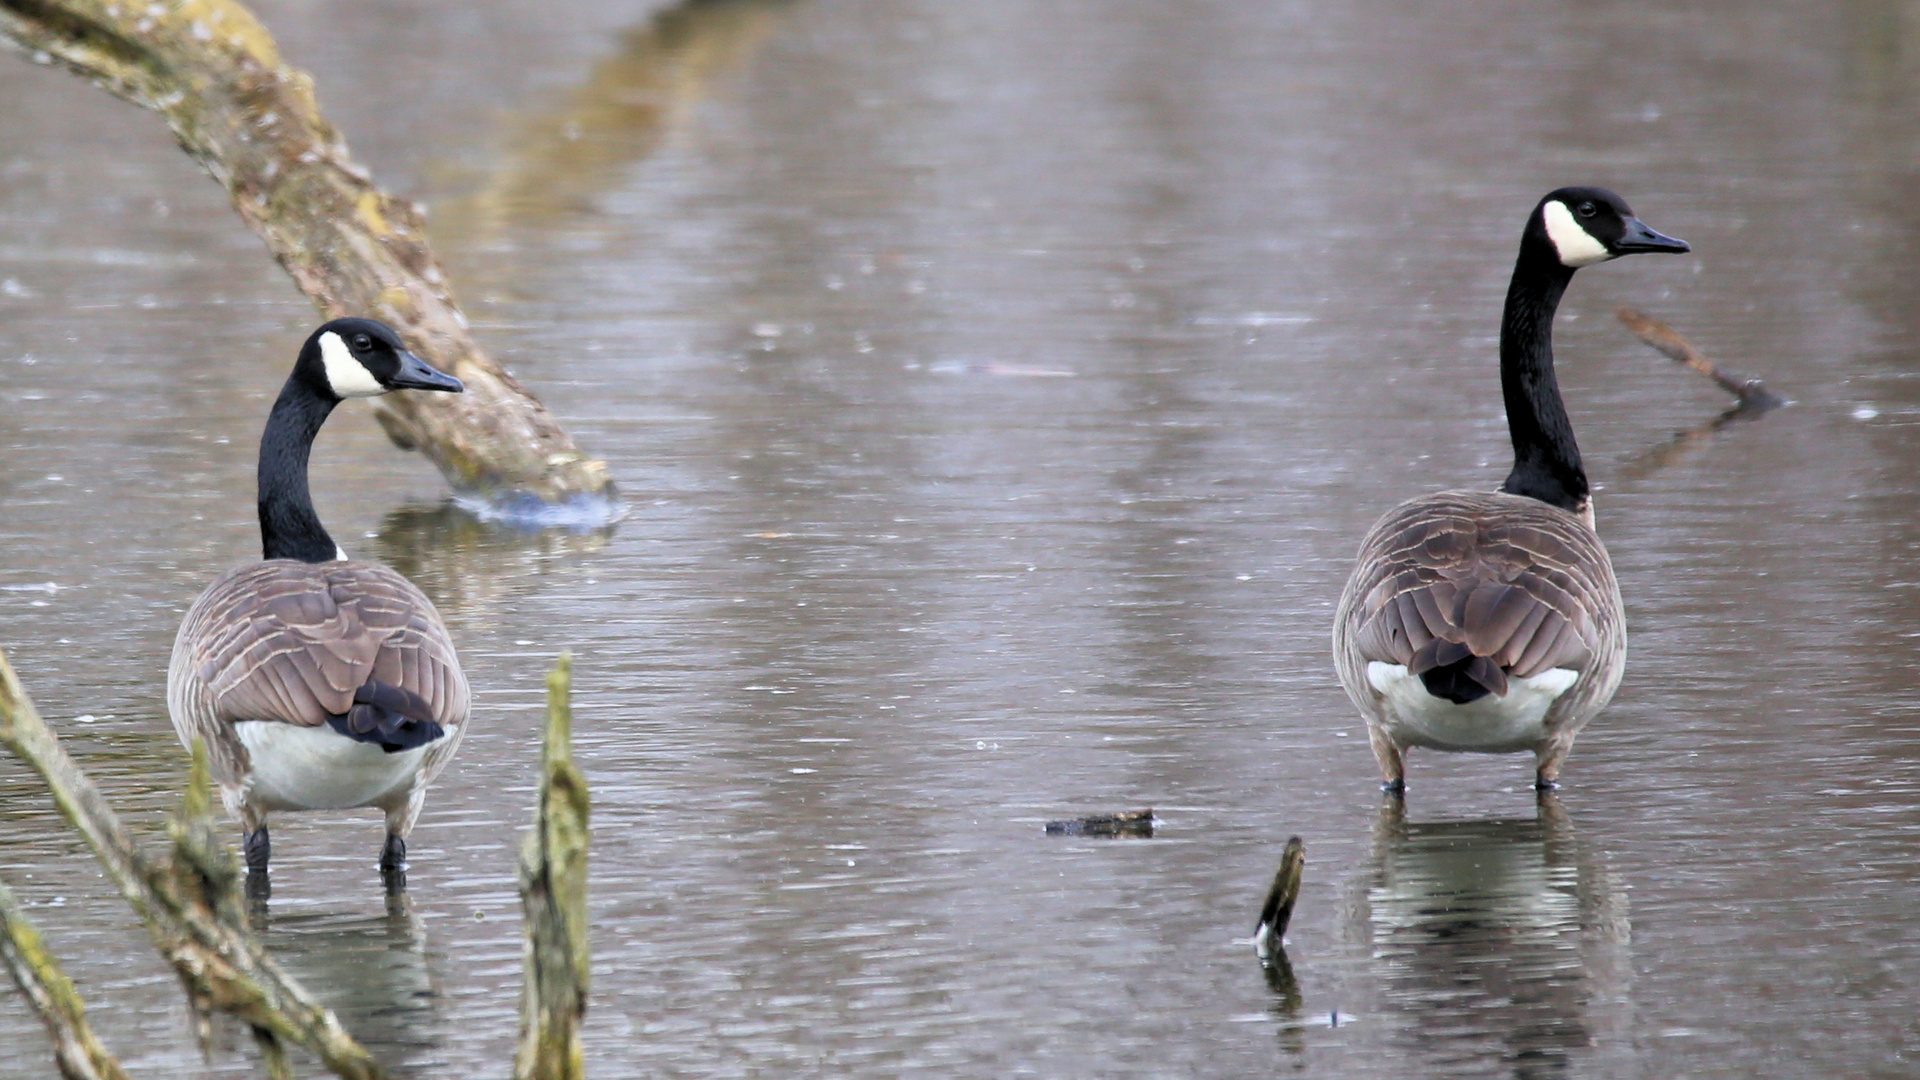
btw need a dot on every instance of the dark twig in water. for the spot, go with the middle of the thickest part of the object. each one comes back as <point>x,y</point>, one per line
<point>1277,912</point>
<point>1125,823</point>
<point>1753,397</point>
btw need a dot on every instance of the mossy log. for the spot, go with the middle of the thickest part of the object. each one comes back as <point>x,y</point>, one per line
<point>553,893</point>
<point>190,901</point>
<point>213,72</point>
<point>75,1049</point>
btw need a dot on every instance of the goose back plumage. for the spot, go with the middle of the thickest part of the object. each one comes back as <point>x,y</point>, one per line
<point>1516,584</point>
<point>292,642</point>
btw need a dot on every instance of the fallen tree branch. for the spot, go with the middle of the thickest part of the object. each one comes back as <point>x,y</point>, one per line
<point>190,902</point>
<point>213,72</point>
<point>553,892</point>
<point>1751,395</point>
<point>75,1049</point>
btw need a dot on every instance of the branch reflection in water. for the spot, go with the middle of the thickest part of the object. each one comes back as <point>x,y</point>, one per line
<point>558,162</point>
<point>471,569</point>
<point>1497,940</point>
<point>1683,443</point>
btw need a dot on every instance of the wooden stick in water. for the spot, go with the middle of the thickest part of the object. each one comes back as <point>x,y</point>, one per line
<point>1748,392</point>
<point>1125,823</point>
<point>1278,910</point>
<point>553,892</point>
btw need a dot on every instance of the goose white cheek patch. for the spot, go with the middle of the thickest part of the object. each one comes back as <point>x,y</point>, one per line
<point>347,376</point>
<point>1572,243</point>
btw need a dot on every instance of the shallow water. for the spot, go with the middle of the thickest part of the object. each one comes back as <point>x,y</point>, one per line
<point>1000,391</point>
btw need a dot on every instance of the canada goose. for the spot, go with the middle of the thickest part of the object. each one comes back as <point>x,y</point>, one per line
<point>316,681</point>
<point>1491,621</point>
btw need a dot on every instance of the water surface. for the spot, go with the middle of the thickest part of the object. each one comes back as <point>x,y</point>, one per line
<point>1000,391</point>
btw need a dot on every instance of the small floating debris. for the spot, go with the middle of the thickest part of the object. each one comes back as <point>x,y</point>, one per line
<point>1137,823</point>
<point>1278,910</point>
<point>1753,398</point>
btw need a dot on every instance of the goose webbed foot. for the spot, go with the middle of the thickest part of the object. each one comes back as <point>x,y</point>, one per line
<point>393,865</point>
<point>394,855</point>
<point>258,848</point>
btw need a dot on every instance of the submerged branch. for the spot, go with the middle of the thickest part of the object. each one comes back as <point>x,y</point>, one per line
<point>1749,393</point>
<point>213,72</point>
<point>553,892</point>
<point>189,902</point>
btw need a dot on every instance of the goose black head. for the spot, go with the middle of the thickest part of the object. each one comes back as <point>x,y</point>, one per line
<point>349,358</point>
<point>1587,225</point>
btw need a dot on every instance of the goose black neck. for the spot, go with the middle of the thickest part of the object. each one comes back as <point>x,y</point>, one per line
<point>289,528</point>
<point>1546,461</point>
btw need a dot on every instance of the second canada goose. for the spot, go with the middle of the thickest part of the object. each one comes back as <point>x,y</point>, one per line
<point>319,682</point>
<point>1491,621</point>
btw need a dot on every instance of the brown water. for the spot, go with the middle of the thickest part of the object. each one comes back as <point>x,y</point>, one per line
<point>1000,390</point>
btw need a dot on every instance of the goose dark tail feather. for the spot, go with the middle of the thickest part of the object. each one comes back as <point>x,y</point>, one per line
<point>1465,680</point>
<point>1450,670</point>
<point>391,717</point>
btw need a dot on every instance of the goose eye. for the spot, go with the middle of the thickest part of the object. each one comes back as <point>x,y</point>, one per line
<point>361,342</point>
<point>1586,209</point>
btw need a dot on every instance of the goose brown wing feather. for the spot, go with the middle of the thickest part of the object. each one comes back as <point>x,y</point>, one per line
<point>1484,574</point>
<point>291,641</point>
<point>1491,615</point>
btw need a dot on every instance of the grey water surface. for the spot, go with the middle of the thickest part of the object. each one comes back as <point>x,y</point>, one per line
<point>999,391</point>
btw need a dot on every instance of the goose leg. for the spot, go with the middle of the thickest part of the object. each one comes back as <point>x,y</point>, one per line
<point>254,844</point>
<point>1547,776</point>
<point>1393,768</point>
<point>393,866</point>
<point>1549,812</point>
<point>400,819</point>
<point>258,848</point>
<point>393,857</point>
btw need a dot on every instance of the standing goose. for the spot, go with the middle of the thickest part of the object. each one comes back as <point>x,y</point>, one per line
<point>316,681</point>
<point>1491,621</point>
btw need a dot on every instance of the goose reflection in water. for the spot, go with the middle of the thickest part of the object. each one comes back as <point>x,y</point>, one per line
<point>374,971</point>
<point>1501,946</point>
